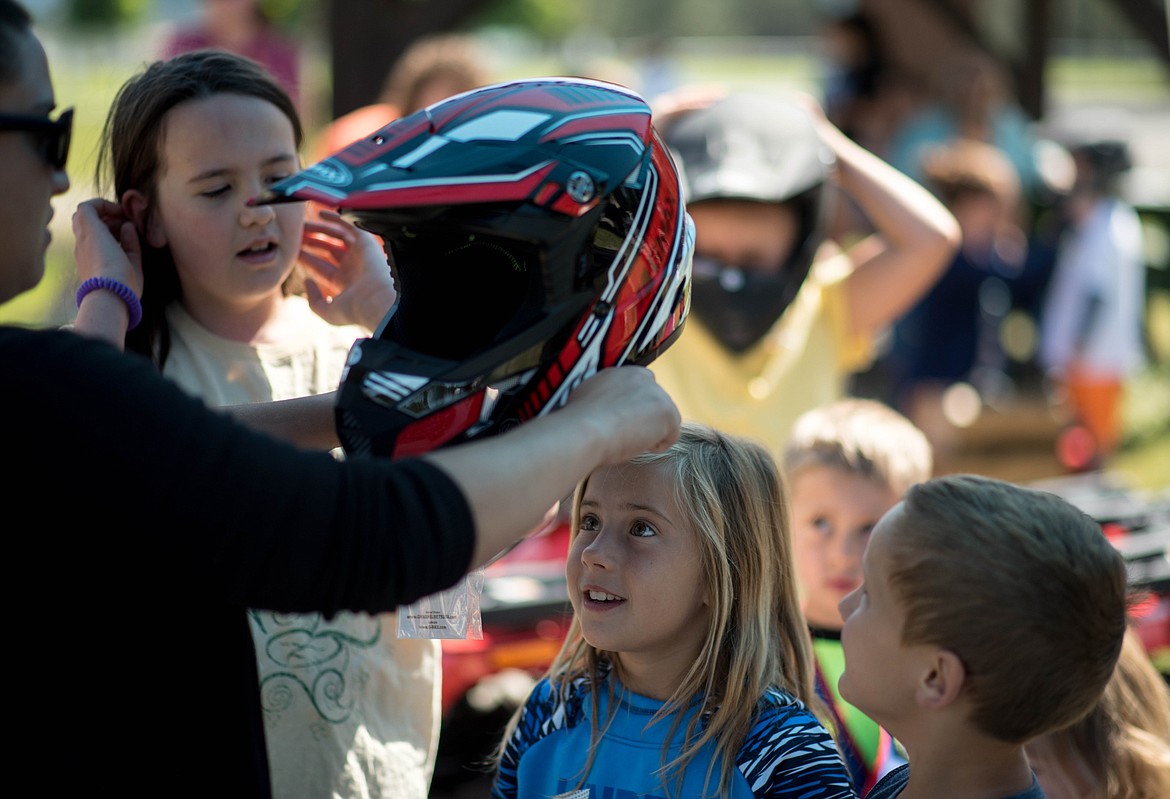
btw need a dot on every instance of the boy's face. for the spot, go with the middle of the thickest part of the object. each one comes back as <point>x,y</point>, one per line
<point>743,279</point>
<point>879,677</point>
<point>980,216</point>
<point>833,512</point>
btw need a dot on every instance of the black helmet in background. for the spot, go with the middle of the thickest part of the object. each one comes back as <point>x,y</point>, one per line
<point>1101,164</point>
<point>536,233</point>
<point>761,148</point>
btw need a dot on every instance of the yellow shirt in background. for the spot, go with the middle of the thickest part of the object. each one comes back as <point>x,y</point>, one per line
<point>802,362</point>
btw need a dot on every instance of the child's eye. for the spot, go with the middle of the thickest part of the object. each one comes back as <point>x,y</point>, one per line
<point>216,192</point>
<point>641,529</point>
<point>822,525</point>
<point>589,522</point>
<point>276,178</point>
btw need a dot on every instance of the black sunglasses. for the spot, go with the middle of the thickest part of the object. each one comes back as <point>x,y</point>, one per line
<point>52,135</point>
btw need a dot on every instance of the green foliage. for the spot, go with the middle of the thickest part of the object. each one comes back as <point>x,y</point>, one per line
<point>286,12</point>
<point>550,20</point>
<point>99,14</point>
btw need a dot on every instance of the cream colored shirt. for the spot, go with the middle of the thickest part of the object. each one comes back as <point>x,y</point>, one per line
<point>350,710</point>
<point>801,363</point>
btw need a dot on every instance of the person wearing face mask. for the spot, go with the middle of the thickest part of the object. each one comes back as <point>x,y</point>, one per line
<point>781,314</point>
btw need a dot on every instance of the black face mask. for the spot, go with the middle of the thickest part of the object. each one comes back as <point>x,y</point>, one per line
<point>739,305</point>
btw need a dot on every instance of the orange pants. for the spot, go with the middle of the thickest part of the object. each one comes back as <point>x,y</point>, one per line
<point>1096,402</point>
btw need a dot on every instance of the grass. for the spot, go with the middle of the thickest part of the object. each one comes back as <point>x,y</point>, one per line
<point>1144,457</point>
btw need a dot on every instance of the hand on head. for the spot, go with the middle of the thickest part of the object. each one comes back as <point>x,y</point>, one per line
<point>670,105</point>
<point>830,134</point>
<point>631,412</point>
<point>106,244</point>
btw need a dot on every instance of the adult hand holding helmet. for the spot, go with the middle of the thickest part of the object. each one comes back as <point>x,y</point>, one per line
<point>646,418</point>
<point>546,459</point>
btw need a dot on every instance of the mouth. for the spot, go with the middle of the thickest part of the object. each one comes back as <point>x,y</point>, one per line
<point>260,249</point>
<point>598,599</point>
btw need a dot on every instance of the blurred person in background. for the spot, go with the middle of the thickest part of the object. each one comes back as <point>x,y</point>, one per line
<point>975,101</point>
<point>242,27</point>
<point>433,68</point>
<point>1093,313</point>
<point>856,74</point>
<point>847,464</point>
<point>951,334</point>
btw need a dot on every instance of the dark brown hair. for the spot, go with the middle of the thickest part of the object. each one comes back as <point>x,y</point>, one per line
<point>130,156</point>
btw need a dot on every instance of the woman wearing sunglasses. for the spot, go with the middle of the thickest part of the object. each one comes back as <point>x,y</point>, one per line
<point>32,151</point>
<point>131,508</point>
<point>52,136</point>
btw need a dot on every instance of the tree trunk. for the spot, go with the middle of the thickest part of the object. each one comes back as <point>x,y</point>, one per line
<point>367,36</point>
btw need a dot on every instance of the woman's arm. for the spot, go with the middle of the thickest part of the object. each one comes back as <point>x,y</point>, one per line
<point>308,422</point>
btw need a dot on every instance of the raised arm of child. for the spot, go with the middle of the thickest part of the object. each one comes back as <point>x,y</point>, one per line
<point>916,235</point>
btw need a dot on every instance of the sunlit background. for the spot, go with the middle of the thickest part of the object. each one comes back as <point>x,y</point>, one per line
<point>1099,72</point>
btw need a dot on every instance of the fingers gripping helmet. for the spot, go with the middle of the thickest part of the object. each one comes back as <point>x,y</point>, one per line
<point>536,233</point>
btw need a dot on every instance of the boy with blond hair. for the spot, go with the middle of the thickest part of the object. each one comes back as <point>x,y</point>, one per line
<point>990,614</point>
<point>847,463</point>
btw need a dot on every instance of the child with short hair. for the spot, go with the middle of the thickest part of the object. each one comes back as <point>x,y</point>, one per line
<point>990,614</point>
<point>846,463</point>
<point>687,669</point>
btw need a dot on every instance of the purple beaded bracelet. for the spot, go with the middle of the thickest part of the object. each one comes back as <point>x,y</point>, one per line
<point>119,289</point>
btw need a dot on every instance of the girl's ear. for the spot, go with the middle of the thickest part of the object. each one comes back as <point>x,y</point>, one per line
<point>941,683</point>
<point>137,209</point>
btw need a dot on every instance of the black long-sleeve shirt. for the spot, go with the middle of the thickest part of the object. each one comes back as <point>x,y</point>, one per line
<point>140,525</point>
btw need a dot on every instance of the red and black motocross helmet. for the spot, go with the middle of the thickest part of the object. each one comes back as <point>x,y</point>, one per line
<point>536,233</point>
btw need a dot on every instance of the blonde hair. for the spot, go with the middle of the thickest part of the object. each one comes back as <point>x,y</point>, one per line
<point>1124,741</point>
<point>733,493</point>
<point>862,437</point>
<point>1023,587</point>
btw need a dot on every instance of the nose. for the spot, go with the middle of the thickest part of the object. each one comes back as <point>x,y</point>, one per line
<point>846,550</point>
<point>597,553</point>
<point>848,603</point>
<point>60,182</point>
<point>839,550</point>
<point>251,215</point>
